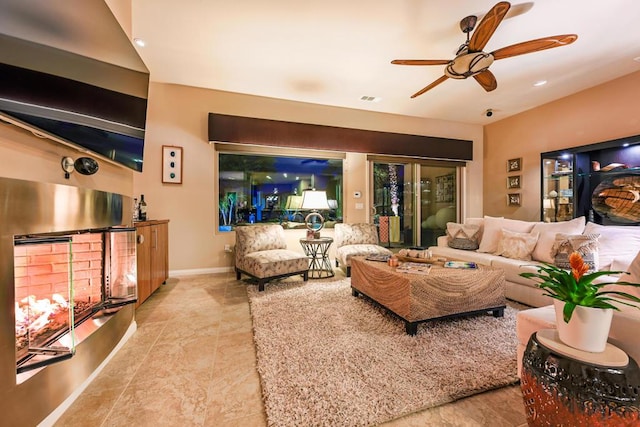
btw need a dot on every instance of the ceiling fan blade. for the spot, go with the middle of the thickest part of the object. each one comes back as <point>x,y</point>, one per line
<point>487,80</point>
<point>431,86</point>
<point>488,26</point>
<point>420,61</point>
<point>534,46</point>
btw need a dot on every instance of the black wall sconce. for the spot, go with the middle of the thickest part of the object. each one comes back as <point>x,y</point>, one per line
<point>84,165</point>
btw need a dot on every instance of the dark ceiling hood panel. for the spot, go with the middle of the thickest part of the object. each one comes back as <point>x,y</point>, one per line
<point>84,102</point>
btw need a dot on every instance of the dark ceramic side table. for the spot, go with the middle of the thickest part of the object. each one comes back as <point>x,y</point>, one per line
<point>562,386</point>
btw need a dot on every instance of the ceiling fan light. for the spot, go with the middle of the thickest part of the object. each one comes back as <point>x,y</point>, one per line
<point>467,65</point>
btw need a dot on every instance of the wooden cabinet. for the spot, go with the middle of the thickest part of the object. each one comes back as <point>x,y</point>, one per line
<point>153,256</point>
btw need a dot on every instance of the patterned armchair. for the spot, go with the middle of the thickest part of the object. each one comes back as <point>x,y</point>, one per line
<point>356,239</point>
<point>261,253</point>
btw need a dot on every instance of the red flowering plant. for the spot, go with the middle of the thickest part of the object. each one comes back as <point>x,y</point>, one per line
<point>575,287</point>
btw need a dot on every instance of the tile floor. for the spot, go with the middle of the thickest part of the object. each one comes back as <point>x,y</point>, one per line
<point>192,363</point>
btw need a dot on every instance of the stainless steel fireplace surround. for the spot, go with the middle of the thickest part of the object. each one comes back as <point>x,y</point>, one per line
<point>31,208</point>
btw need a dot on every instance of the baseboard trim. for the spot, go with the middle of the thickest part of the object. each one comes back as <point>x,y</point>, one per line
<point>197,271</point>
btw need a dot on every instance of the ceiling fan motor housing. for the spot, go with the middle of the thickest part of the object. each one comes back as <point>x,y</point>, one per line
<point>468,64</point>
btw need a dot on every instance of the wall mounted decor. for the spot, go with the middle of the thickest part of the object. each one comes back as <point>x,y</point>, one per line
<point>514,165</point>
<point>444,188</point>
<point>171,164</point>
<point>513,181</point>
<point>513,199</point>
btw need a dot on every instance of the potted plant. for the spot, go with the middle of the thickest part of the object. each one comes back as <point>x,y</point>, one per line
<point>226,206</point>
<point>583,309</point>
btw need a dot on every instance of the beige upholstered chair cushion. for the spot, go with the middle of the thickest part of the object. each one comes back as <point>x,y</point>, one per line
<point>357,239</point>
<point>274,262</point>
<point>261,250</point>
<point>355,234</point>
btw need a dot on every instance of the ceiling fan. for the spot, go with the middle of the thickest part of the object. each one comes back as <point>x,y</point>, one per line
<point>471,61</point>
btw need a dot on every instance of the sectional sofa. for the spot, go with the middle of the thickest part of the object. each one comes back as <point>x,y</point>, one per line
<point>518,246</point>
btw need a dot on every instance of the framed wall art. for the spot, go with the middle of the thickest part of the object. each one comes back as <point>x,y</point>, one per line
<point>445,188</point>
<point>514,165</point>
<point>513,181</point>
<point>171,164</point>
<point>513,199</point>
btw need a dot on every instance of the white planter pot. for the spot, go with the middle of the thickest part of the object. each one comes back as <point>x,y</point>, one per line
<point>588,328</point>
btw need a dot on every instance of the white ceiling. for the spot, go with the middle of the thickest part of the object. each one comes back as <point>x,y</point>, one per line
<point>335,51</point>
<point>332,52</point>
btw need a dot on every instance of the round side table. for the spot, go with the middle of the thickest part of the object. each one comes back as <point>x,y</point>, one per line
<point>564,386</point>
<point>318,252</point>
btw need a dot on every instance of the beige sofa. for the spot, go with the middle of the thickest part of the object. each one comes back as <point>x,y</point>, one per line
<point>618,250</point>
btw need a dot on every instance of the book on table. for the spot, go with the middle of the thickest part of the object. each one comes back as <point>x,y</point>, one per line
<point>379,258</point>
<point>413,268</point>
<point>460,264</point>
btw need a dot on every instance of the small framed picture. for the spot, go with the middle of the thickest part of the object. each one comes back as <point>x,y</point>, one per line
<point>513,199</point>
<point>171,164</point>
<point>513,181</point>
<point>514,165</point>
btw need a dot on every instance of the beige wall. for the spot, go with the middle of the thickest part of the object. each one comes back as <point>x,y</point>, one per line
<point>177,115</point>
<point>602,113</point>
<point>25,156</point>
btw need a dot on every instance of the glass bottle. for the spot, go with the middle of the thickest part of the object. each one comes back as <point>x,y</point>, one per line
<point>142,211</point>
<point>136,208</point>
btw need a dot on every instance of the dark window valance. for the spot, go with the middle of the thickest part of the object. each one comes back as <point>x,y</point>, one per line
<point>248,130</point>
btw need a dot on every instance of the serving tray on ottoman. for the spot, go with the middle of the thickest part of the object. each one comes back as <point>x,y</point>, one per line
<point>443,293</point>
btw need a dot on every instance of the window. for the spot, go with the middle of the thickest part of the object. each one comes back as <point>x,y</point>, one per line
<point>260,188</point>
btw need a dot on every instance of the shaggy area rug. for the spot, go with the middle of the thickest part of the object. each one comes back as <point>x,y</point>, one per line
<point>328,358</point>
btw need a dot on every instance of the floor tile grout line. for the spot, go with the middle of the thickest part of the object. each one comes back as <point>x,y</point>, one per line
<point>131,378</point>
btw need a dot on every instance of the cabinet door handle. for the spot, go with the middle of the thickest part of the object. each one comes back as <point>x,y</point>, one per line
<point>140,239</point>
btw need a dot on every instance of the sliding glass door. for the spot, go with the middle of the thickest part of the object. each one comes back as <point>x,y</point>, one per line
<point>413,201</point>
<point>438,202</point>
<point>393,203</point>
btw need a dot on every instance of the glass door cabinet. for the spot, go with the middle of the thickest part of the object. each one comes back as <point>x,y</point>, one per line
<point>598,181</point>
<point>557,187</point>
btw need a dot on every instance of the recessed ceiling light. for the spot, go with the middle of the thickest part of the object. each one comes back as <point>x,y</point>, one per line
<point>540,83</point>
<point>367,98</point>
<point>637,59</point>
<point>139,42</point>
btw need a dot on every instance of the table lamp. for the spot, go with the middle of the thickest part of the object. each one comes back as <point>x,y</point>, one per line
<point>294,203</point>
<point>314,201</point>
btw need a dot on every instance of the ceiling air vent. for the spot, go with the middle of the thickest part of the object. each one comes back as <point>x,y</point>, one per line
<point>370,98</point>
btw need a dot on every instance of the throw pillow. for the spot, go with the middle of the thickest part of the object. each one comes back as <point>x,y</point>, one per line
<point>479,222</point>
<point>548,231</point>
<point>616,241</point>
<point>461,236</point>
<point>585,244</point>
<point>517,245</point>
<point>493,229</point>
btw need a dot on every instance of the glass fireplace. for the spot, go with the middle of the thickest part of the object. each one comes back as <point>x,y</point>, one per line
<point>63,280</point>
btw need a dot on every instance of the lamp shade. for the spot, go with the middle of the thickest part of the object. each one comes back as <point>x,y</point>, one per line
<point>294,203</point>
<point>314,200</point>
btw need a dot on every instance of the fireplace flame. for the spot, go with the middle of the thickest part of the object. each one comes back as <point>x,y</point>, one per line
<point>35,314</point>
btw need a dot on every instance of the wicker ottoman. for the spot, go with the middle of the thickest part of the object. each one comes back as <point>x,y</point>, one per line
<point>444,292</point>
